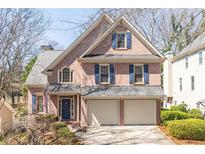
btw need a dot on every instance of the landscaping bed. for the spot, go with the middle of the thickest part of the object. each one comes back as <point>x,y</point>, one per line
<point>45,130</point>
<point>182,125</point>
<point>178,141</point>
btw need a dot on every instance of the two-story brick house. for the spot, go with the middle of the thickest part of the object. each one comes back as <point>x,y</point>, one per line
<point>110,75</point>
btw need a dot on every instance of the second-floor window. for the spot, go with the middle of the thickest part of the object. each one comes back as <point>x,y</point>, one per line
<point>200,57</point>
<point>138,74</point>
<point>104,73</point>
<point>65,75</point>
<point>180,84</point>
<point>192,83</point>
<point>121,37</point>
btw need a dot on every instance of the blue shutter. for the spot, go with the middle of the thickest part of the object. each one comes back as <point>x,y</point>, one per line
<point>146,74</point>
<point>33,103</point>
<point>129,40</point>
<point>97,73</point>
<point>131,73</point>
<point>112,74</point>
<point>114,40</point>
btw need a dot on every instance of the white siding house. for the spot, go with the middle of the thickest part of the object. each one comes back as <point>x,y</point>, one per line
<point>184,76</point>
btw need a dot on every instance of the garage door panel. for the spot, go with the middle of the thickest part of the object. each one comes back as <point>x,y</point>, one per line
<point>103,112</point>
<point>140,112</point>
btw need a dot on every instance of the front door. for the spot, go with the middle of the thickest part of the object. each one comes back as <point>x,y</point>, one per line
<point>65,108</point>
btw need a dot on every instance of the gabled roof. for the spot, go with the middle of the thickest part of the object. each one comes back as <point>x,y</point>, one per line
<point>132,29</point>
<point>195,46</point>
<point>78,40</point>
<point>45,58</point>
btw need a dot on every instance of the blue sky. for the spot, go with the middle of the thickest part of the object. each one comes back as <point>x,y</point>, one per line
<point>64,37</point>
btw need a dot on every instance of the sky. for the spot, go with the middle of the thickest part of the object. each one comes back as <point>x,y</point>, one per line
<point>59,30</point>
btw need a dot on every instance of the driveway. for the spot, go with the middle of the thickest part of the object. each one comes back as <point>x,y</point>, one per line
<point>109,135</point>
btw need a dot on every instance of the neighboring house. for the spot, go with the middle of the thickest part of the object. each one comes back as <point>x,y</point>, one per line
<point>6,117</point>
<point>184,75</point>
<point>110,75</point>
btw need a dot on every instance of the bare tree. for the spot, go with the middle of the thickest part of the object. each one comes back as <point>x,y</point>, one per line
<point>167,29</point>
<point>20,30</point>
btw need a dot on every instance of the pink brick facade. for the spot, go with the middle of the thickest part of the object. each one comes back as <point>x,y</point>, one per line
<point>121,74</point>
<point>84,73</point>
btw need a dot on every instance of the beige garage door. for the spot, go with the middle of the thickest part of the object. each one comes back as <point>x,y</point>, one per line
<point>103,112</point>
<point>140,112</point>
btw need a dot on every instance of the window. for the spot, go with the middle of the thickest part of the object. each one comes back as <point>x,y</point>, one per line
<point>180,84</point>
<point>138,74</point>
<point>104,74</point>
<point>200,57</point>
<point>121,40</point>
<point>192,82</point>
<point>186,62</point>
<point>65,75</point>
<point>39,104</point>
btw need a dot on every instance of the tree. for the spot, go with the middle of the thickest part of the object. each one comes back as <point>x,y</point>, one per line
<point>20,31</point>
<point>27,70</point>
<point>167,29</point>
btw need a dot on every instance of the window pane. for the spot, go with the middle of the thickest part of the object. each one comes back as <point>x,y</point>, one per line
<point>39,103</point>
<point>104,74</point>
<point>138,74</point>
<point>121,40</point>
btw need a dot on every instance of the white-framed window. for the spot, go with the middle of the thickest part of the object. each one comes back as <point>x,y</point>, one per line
<point>139,73</point>
<point>192,83</point>
<point>104,74</point>
<point>180,84</point>
<point>186,62</point>
<point>39,104</point>
<point>200,57</point>
<point>65,75</point>
<point>121,40</point>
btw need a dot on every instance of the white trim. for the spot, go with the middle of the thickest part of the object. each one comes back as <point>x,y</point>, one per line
<point>108,73</point>
<point>142,73</point>
<point>78,40</point>
<point>71,71</point>
<point>132,29</point>
<point>72,106</point>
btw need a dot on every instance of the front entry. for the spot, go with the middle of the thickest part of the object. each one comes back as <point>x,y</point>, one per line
<point>65,109</point>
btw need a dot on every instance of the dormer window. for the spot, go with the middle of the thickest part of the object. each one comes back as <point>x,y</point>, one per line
<point>121,37</point>
<point>65,75</point>
<point>122,40</point>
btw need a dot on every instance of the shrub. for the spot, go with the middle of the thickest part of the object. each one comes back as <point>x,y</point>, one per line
<point>189,129</point>
<point>173,115</point>
<point>46,118</point>
<point>196,114</point>
<point>59,125</point>
<point>181,107</point>
<point>65,133</point>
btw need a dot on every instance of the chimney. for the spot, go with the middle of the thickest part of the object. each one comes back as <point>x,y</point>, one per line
<point>47,47</point>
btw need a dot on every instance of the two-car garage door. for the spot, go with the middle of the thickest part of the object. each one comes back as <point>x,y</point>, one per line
<point>107,112</point>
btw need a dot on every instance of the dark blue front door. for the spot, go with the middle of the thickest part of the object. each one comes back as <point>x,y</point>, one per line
<point>65,108</point>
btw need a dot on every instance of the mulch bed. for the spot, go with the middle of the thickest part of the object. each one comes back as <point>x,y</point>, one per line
<point>180,142</point>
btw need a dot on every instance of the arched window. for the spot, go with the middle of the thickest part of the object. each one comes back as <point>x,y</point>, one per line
<point>65,75</point>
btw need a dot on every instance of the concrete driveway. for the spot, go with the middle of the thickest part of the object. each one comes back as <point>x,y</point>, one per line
<point>109,135</point>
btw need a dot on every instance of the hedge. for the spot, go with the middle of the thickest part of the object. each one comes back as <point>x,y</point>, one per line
<point>59,125</point>
<point>173,115</point>
<point>189,129</point>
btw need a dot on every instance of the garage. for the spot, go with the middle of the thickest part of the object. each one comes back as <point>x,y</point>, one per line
<point>138,112</point>
<point>103,112</point>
